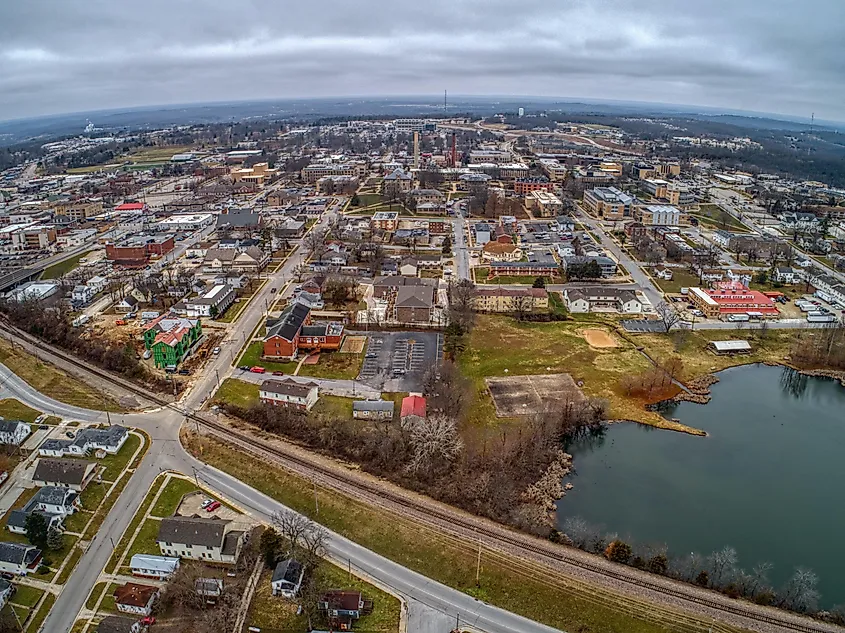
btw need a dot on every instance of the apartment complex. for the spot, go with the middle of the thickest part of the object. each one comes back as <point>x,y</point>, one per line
<point>660,215</point>
<point>510,300</point>
<point>544,204</point>
<point>609,203</point>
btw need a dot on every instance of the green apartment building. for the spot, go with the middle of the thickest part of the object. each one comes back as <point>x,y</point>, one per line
<point>171,337</point>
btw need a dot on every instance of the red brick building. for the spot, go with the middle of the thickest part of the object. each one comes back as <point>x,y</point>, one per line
<point>524,186</point>
<point>137,250</point>
<point>293,331</point>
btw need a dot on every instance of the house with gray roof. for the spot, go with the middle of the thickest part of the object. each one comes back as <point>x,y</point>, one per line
<point>51,502</point>
<point>289,393</point>
<point>75,474</point>
<point>372,409</point>
<point>19,558</point>
<point>287,578</point>
<point>109,440</point>
<point>197,538</point>
<point>13,432</point>
<point>414,304</point>
<point>118,624</point>
<point>602,298</point>
<point>151,566</point>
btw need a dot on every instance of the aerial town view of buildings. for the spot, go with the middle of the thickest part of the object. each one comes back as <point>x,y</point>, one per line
<point>352,364</point>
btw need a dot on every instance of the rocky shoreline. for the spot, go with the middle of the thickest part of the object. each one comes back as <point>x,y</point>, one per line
<point>549,489</point>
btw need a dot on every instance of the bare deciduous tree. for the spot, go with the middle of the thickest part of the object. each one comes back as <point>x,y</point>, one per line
<point>722,565</point>
<point>307,539</point>
<point>801,593</point>
<point>433,441</point>
<point>668,315</point>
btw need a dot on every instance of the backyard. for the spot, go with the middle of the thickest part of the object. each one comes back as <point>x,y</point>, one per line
<point>330,365</point>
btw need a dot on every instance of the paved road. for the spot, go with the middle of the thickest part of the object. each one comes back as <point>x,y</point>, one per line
<point>331,386</point>
<point>459,227</point>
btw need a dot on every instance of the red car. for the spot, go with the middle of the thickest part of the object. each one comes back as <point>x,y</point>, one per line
<point>257,370</point>
<point>213,506</point>
<point>148,621</point>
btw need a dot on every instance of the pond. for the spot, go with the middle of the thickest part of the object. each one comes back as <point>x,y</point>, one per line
<point>769,480</point>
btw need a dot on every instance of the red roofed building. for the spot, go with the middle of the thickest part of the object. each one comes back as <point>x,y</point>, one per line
<point>131,206</point>
<point>171,337</point>
<point>732,297</point>
<point>413,405</point>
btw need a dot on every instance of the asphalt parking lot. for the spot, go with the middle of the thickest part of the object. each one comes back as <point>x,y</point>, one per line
<point>398,361</point>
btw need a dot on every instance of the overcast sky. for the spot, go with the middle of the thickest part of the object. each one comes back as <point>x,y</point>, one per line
<point>781,56</point>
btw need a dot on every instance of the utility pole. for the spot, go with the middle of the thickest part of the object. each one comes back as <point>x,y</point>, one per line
<point>105,407</point>
<point>216,371</point>
<point>316,503</point>
<point>478,565</point>
<point>196,479</point>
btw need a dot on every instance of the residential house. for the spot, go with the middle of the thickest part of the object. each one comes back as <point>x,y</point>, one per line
<point>53,503</point>
<point>108,440</point>
<point>171,338</point>
<point>289,393</point>
<point>211,304</point>
<point>343,608</point>
<point>413,404</point>
<point>82,295</point>
<point>498,252</point>
<point>135,599</point>
<point>372,409</point>
<point>239,219</point>
<point>601,298</point>
<point>13,431</point>
<point>150,566</point>
<point>118,624</point>
<point>210,540</point>
<point>510,300</point>
<point>18,558</point>
<point>252,259</point>
<point>409,267</point>
<point>785,275</point>
<point>75,474</point>
<point>287,578</point>
<point>662,272</point>
<point>218,260</point>
<point>414,304</point>
<point>128,304</point>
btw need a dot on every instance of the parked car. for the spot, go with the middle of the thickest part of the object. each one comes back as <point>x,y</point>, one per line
<point>148,621</point>
<point>206,503</point>
<point>244,368</point>
<point>184,372</point>
<point>69,434</point>
<point>278,373</point>
<point>44,427</point>
<point>215,351</point>
<point>147,354</point>
<point>257,370</point>
<point>272,290</point>
<point>212,506</point>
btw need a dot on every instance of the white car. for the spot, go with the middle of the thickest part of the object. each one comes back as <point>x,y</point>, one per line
<point>206,503</point>
<point>215,351</point>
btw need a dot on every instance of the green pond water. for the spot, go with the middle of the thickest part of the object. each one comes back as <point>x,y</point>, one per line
<point>769,480</point>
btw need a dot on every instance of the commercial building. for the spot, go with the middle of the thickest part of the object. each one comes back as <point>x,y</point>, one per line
<point>524,186</point>
<point>255,175</point>
<point>79,210</point>
<point>609,203</point>
<point>496,252</point>
<point>727,298</point>
<point>289,393</point>
<point>660,215</point>
<point>512,171</point>
<point>136,250</point>
<point>606,265</point>
<point>293,331</point>
<point>185,222</point>
<point>544,204</point>
<point>495,157</point>
<point>314,172</point>
<point>414,125</point>
<point>553,168</point>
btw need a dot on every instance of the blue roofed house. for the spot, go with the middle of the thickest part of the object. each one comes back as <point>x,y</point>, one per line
<point>109,440</point>
<point>51,502</point>
<point>13,431</point>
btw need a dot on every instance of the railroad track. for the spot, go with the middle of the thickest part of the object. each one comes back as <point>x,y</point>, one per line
<point>433,514</point>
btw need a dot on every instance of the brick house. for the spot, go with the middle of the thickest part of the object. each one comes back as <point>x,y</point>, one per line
<point>293,331</point>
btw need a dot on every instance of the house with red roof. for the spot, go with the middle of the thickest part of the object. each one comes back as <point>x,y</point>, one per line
<point>413,405</point>
<point>131,206</point>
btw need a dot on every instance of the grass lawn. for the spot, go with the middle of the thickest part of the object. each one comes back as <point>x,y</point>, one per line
<point>145,541</point>
<point>681,278</point>
<point>277,614</point>
<point>115,464</point>
<point>713,215</point>
<point>336,405</point>
<point>431,274</point>
<point>367,199</point>
<point>40,615</point>
<point>93,496</point>
<point>237,392</point>
<point>157,154</point>
<point>62,268</point>
<point>108,604</point>
<point>49,379</point>
<point>96,592</point>
<point>235,310</point>
<point>482,276</point>
<point>136,520</point>
<point>27,596</point>
<point>75,555</point>
<point>497,344</point>
<point>551,598</point>
<point>77,521</point>
<point>106,506</point>
<point>12,409</point>
<point>171,496</point>
<point>334,365</point>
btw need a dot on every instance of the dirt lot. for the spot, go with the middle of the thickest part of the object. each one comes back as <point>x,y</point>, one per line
<point>525,395</point>
<point>353,345</point>
<point>599,338</point>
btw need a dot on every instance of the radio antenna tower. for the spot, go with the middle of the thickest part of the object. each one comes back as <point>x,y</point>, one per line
<point>444,101</point>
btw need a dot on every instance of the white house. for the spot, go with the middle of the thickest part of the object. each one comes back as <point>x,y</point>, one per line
<point>98,283</point>
<point>13,431</point>
<point>289,393</point>
<point>110,440</point>
<point>135,599</point>
<point>581,300</point>
<point>18,558</point>
<point>82,295</point>
<point>785,275</point>
<point>5,592</point>
<point>661,272</point>
<point>150,566</point>
<point>287,578</point>
<point>212,304</point>
<point>212,540</point>
<point>52,502</point>
<point>75,474</point>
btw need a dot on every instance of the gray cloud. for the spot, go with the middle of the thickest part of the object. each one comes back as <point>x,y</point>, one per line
<point>763,55</point>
